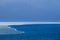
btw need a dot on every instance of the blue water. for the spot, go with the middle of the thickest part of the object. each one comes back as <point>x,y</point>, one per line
<point>35,32</point>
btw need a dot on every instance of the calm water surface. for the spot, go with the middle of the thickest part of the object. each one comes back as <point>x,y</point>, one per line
<point>34,32</point>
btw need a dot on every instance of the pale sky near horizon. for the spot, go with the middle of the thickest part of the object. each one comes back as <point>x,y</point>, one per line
<point>30,10</point>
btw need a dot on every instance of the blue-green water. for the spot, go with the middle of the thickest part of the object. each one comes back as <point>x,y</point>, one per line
<point>35,32</point>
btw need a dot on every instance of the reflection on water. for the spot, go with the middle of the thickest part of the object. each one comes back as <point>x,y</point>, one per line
<point>8,33</point>
<point>7,30</point>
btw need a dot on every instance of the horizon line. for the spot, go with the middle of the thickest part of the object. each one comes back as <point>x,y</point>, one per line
<point>24,23</point>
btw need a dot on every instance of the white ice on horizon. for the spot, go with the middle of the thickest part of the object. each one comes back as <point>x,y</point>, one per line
<point>24,23</point>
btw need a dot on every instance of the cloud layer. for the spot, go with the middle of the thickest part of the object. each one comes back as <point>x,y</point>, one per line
<point>29,10</point>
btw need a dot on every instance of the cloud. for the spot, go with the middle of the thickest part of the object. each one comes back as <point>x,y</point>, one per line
<point>34,3</point>
<point>29,9</point>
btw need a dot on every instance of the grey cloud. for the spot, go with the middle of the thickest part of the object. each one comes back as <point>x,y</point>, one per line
<point>29,10</point>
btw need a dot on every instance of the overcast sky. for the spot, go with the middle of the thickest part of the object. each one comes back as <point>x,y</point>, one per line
<point>30,10</point>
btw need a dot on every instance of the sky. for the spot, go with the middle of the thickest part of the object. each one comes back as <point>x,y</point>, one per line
<point>29,10</point>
